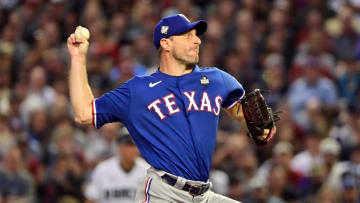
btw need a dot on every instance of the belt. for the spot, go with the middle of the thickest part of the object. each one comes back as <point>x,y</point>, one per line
<point>194,190</point>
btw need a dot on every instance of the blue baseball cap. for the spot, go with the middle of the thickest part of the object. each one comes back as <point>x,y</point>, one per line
<point>175,25</point>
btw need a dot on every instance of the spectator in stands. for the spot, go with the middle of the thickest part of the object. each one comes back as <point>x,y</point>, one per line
<point>16,183</point>
<point>312,86</point>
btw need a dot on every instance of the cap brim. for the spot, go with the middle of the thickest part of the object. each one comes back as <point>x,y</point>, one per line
<point>200,27</point>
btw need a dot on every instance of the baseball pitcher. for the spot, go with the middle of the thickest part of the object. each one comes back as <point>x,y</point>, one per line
<point>173,114</point>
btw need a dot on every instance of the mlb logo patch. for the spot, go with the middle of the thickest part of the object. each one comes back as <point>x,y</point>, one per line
<point>204,80</point>
<point>164,29</point>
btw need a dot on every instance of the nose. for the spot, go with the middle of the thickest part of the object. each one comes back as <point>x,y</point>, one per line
<point>197,40</point>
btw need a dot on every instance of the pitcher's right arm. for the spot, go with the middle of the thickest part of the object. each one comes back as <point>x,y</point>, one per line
<point>81,95</point>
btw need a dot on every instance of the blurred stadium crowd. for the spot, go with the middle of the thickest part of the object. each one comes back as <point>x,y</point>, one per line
<point>305,52</point>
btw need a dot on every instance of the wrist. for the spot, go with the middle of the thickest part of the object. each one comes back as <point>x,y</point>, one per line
<point>78,59</point>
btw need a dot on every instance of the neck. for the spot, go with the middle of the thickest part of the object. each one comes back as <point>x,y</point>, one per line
<point>171,66</point>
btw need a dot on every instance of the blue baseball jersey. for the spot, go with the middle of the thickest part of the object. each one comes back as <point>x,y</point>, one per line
<point>172,119</point>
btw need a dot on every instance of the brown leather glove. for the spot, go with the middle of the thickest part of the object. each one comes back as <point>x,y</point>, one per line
<point>259,117</point>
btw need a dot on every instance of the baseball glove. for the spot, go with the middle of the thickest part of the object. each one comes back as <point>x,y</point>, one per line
<point>258,116</point>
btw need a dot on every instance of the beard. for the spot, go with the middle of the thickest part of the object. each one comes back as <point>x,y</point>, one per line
<point>189,61</point>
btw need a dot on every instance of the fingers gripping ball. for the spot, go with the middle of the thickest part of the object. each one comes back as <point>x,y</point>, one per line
<point>259,117</point>
<point>78,43</point>
<point>82,33</point>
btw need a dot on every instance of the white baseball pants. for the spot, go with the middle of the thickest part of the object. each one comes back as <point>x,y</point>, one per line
<point>154,190</point>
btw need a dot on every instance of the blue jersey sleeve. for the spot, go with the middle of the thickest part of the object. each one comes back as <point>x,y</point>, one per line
<point>233,90</point>
<point>112,106</point>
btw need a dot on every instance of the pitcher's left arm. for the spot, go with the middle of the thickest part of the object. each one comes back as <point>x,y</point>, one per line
<point>255,116</point>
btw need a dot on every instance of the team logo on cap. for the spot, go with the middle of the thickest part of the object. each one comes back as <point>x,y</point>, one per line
<point>164,29</point>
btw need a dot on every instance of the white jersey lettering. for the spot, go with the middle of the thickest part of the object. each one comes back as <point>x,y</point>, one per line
<point>154,105</point>
<point>205,102</point>
<point>218,101</point>
<point>170,104</point>
<point>192,103</point>
<point>172,107</point>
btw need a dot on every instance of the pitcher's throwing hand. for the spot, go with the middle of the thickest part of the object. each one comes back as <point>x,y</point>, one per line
<point>77,42</point>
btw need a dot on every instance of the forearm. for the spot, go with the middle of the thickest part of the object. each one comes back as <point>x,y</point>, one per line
<point>80,92</point>
<point>237,114</point>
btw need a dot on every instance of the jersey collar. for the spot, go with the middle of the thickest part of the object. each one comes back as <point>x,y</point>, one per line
<point>172,78</point>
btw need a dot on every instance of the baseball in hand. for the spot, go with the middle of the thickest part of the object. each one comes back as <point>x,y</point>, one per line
<point>82,32</point>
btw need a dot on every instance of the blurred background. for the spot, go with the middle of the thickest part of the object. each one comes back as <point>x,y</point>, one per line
<point>306,52</point>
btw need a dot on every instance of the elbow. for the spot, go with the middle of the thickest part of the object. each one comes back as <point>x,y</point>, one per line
<point>83,120</point>
<point>78,120</point>
<point>84,115</point>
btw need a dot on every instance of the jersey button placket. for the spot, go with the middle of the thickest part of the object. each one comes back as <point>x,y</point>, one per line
<point>181,89</point>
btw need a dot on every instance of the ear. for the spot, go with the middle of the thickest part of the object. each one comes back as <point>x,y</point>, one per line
<point>165,44</point>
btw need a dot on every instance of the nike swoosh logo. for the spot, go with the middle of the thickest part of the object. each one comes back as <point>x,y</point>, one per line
<point>154,84</point>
